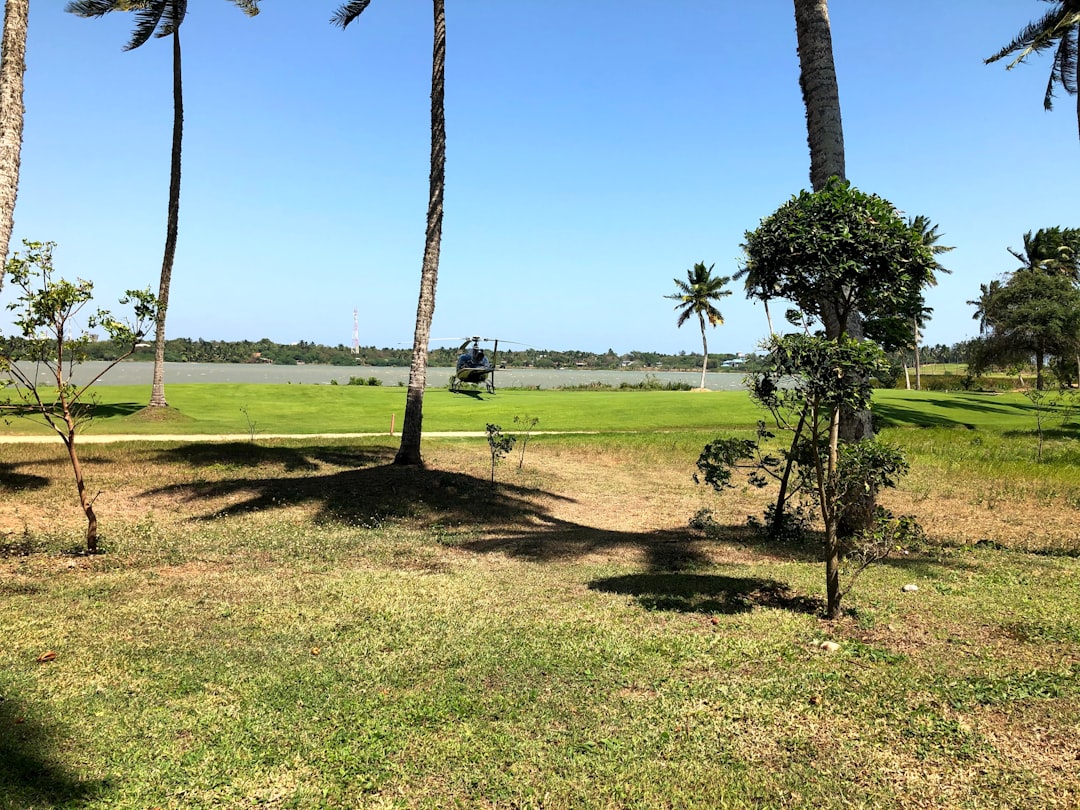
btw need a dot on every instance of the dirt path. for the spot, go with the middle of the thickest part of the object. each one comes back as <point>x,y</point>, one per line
<point>107,438</point>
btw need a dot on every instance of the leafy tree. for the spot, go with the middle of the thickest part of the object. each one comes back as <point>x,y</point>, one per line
<point>1031,314</point>
<point>695,297</point>
<point>409,449</point>
<point>806,384</point>
<point>160,18</point>
<point>12,68</point>
<point>844,247</point>
<point>1058,29</point>
<point>842,257</point>
<point>47,310</point>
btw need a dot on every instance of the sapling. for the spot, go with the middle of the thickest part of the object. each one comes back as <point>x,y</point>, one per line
<point>499,445</point>
<point>48,337</point>
<point>528,422</point>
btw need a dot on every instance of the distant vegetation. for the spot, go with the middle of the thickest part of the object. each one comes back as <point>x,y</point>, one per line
<point>186,350</point>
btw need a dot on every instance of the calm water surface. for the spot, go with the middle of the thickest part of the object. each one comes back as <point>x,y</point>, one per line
<point>140,374</point>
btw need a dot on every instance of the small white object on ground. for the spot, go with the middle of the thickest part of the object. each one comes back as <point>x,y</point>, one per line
<point>910,588</point>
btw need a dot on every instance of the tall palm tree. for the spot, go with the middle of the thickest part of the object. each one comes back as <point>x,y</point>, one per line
<point>1058,29</point>
<point>12,68</point>
<point>695,297</point>
<point>409,450</point>
<point>160,18</point>
<point>929,235</point>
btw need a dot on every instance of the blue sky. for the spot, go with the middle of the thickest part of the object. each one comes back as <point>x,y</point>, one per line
<point>596,150</point>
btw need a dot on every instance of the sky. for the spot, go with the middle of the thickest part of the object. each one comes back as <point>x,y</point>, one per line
<point>597,149</point>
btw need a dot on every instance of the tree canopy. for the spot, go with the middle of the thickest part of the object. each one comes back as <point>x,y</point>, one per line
<point>838,252</point>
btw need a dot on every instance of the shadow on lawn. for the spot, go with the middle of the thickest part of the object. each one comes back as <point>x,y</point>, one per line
<point>11,480</point>
<point>28,774</point>
<point>372,491</point>
<point>707,593</point>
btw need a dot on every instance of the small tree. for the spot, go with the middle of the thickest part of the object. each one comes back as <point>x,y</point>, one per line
<point>528,423</point>
<point>48,335</point>
<point>499,445</point>
<point>807,382</point>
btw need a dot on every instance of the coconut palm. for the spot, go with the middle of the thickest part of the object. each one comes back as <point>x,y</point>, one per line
<point>1055,251</point>
<point>695,297</point>
<point>1057,29</point>
<point>409,450</point>
<point>160,18</point>
<point>929,235</point>
<point>12,68</point>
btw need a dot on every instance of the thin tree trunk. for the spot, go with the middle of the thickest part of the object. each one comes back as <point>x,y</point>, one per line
<point>157,392</point>
<point>411,428</point>
<point>704,350</point>
<point>918,363</point>
<point>829,496</point>
<point>12,68</point>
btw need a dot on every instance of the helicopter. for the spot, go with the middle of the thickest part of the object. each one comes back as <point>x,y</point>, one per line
<point>473,366</point>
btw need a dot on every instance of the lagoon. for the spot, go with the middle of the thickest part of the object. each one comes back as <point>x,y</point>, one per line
<point>140,373</point>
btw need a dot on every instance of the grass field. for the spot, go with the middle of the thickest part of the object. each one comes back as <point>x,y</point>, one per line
<point>298,623</point>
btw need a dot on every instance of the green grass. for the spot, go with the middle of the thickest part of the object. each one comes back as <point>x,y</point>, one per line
<point>300,624</point>
<point>360,409</point>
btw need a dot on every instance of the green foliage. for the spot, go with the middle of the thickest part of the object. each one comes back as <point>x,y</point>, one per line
<point>372,381</point>
<point>1033,313</point>
<point>499,445</point>
<point>807,382</point>
<point>840,252</point>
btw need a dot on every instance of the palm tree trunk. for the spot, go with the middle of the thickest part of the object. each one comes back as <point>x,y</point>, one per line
<point>157,392</point>
<point>918,363</point>
<point>409,450</point>
<point>704,349</point>
<point>821,95</point>
<point>12,68</point>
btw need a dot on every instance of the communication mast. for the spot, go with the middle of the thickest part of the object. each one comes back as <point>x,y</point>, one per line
<point>355,331</point>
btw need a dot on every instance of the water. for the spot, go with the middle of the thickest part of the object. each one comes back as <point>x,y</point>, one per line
<point>183,373</point>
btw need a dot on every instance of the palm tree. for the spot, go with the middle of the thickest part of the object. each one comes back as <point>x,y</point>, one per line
<point>695,297</point>
<point>984,304</point>
<point>928,234</point>
<point>409,450</point>
<point>160,18</point>
<point>1055,251</point>
<point>12,68</point>
<point>1058,29</point>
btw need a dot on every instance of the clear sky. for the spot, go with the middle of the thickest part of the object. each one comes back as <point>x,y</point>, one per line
<point>596,150</point>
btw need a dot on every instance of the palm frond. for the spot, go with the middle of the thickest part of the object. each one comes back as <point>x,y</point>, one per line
<point>249,7</point>
<point>147,19</point>
<point>92,8</point>
<point>1036,36</point>
<point>348,12</point>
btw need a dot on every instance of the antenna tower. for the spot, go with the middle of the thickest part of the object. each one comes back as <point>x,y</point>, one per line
<point>355,331</point>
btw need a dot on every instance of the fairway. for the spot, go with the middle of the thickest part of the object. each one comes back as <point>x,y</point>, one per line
<point>308,409</point>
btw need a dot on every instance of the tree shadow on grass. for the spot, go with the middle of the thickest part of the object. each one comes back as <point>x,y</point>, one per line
<point>11,480</point>
<point>29,774</point>
<point>374,491</point>
<point>707,593</point>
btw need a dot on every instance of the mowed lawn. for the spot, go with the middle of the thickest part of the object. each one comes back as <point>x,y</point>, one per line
<point>299,623</point>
